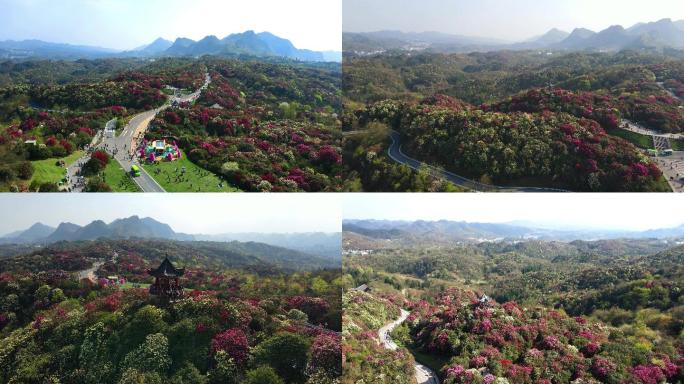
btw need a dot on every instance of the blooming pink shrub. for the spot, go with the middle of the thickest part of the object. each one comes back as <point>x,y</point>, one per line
<point>234,343</point>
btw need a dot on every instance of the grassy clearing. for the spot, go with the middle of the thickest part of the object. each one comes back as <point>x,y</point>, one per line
<point>134,285</point>
<point>641,141</point>
<point>663,185</point>
<point>118,179</point>
<point>195,179</point>
<point>47,171</point>
<point>677,144</point>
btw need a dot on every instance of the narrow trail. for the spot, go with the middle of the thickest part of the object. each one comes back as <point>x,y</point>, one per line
<point>670,93</point>
<point>90,272</point>
<point>424,375</point>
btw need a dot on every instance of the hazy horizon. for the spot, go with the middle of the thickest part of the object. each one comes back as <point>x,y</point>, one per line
<point>608,212</point>
<point>208,214</point>
<point>502,19</point>
<point>129,24</point>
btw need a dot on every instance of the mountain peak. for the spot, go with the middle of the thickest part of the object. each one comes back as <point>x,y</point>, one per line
<point>613,28</point>
<point>553,36</point>
<point>183,40</point>
<point>582,31</point>
<point>210,38</point>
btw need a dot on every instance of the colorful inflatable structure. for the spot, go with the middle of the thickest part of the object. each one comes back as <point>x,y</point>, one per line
<point>159,150</point>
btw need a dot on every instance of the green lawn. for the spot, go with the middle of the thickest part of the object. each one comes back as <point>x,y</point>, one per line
<point>47,171</point>
<point>118,178</point>
<point>663,185</point>
<point>195,178</point>
<point>677,144</point>
<point>641,141</point>
<point>129,285</point>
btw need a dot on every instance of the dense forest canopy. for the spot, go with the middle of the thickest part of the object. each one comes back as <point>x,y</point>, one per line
<point>462,112</point>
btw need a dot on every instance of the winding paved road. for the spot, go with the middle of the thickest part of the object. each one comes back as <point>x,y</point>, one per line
<point>662,85</point>
<point>395,153</point>
<point>424,375</point>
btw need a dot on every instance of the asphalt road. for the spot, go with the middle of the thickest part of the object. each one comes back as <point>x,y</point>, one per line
<point>637,128</point>
<point>395,153</point>
<point>123,147</point>
<point>424,375</point>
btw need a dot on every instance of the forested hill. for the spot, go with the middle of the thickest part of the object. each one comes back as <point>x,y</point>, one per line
<point>73,256</point>
<point>445,231</point>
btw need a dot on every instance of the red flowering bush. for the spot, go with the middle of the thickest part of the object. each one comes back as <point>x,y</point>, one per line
<point>97,162</point>
<point>551,342</point>
<point>648,374</point>
<point>314,307</point>
<point>234,343</point>
<point>600,108</point>
<point>325,355</point>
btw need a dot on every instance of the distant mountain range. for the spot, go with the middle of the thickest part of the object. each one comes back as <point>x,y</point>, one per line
<point>664,33</point>
<point>324,245</point>
<point>131,227</point>
<point>248,43</point>
<point>450,231</point>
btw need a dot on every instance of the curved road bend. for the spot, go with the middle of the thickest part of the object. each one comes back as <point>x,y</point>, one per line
<point>672,94</point>
<point>395,153</point>
<point>424,375</point>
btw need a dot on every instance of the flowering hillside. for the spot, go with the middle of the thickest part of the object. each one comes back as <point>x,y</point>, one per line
<point>363,358</point>
<point>511,119</point>
<point>554,148</point>
<point>233,325</point>
<point>506,343</point>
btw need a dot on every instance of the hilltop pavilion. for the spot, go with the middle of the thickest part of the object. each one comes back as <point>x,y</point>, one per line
<point>166,283</point>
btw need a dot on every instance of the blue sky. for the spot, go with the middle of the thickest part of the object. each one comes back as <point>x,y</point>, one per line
<point>126,24</point>
<point>574,210</point>
<point>503,19</point>
<point>196,213</point>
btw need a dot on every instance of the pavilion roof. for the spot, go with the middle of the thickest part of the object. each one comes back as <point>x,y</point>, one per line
<point>166,269</point>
